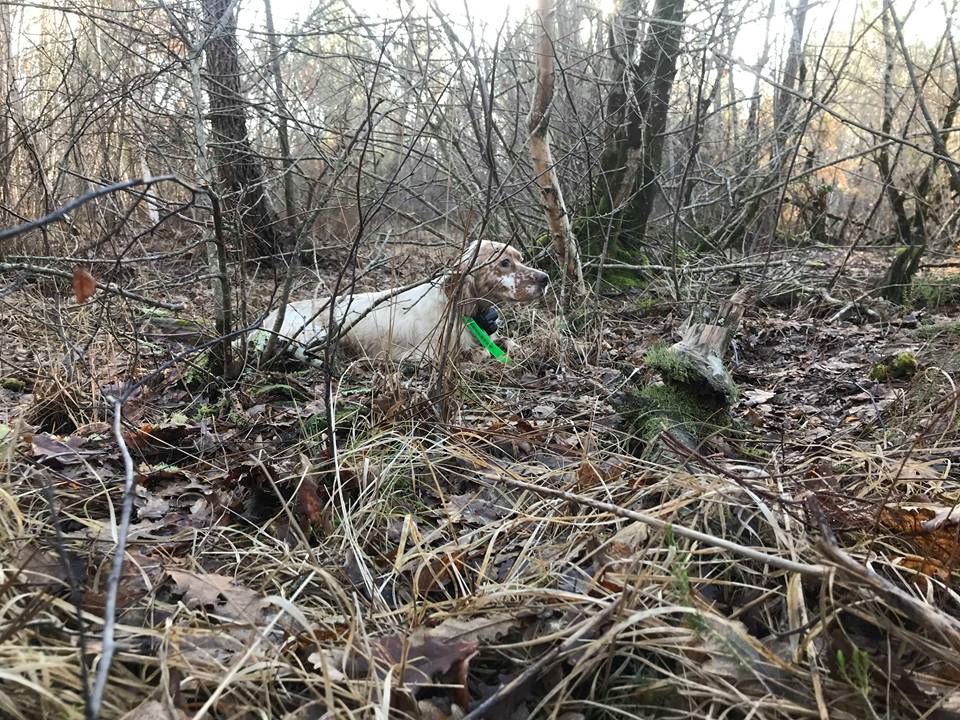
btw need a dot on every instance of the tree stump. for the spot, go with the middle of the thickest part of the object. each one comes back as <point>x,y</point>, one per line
<point>695,392</point>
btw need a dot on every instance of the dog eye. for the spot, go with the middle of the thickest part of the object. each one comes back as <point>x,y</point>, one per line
<point>505,263</point>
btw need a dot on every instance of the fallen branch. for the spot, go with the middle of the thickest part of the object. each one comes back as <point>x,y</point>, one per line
<point>752,553</point>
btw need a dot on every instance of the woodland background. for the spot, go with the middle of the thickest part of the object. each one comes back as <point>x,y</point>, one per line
<point>609,526</point>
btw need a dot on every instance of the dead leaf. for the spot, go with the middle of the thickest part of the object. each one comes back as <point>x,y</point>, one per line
<point>544,411</point>
<point>219,595</point>
<point>423,654</point>
<point>757,397</point>
<point>150,506</point>
<point>63,450</point>
<point>44,569</point>
<point>477,509</point>
<point>439,571</point>
<point>587,476</point>
<point>153,710</point>
<point>84,285</point>
<point>630,538</point>
<point>460,692</point>
<point>929,532</point>
<point>737,655</point>
<point>312,507</point>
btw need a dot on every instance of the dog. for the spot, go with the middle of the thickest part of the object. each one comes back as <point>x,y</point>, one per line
<point>406,324</point>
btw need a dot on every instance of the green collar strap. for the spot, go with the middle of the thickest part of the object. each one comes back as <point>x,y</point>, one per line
<point>481,335</point>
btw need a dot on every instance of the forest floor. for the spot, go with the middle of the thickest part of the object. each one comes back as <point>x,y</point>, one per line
<point>502,564</point>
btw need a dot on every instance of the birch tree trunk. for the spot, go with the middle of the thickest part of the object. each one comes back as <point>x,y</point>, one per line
<point>538,124</point>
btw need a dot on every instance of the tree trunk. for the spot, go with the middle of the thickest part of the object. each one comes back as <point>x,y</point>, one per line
<point>237,166</point>
<point>216,246</point>
<point>278,90</point>
<point>551,197</point>
<point>794,73</point>
<point>630,162</point>
<point>894,196</point>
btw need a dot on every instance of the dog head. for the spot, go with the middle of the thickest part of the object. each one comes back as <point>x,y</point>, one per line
<point>494,272</point>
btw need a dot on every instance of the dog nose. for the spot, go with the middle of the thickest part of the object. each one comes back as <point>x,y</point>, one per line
<point>543,280</point>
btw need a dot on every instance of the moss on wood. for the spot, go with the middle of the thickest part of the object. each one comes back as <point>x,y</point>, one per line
<point>896,367</point>
<point>693,397</point>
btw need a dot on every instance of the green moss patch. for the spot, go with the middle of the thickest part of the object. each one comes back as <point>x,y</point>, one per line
<point>896,367</point>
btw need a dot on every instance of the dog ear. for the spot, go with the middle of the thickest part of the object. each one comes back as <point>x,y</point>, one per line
<point>470,258</point>
<point>462,286</point>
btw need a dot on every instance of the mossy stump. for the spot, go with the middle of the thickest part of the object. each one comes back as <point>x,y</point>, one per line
<point>692,399</point>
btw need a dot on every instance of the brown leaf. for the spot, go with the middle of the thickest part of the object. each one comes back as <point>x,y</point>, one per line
<point>587,476</point>
<point>438,572</point>
<point>64,450</point>
<point>312,507</point>
<point>219,594</point>
<point>36,567</point>
<point>460,692</point>
<point>930,533</point>
<point>423,654</point>
<point>153,710</point>
<point>83,285</point>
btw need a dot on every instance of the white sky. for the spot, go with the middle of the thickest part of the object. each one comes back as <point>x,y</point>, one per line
<point>925,20</point>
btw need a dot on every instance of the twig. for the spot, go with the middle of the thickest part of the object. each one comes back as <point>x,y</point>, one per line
<point>108,287</point>
<point>62,212</point>
<point>753,554</point>
<point>709,269</point>
<point>113,582</point>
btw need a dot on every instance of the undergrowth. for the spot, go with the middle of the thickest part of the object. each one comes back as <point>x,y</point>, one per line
<point>516,560</point>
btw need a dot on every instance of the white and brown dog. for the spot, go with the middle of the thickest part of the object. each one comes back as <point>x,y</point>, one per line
<point>407,323</point>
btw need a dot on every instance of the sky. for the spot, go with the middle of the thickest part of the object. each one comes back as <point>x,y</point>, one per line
<point>924,20</point>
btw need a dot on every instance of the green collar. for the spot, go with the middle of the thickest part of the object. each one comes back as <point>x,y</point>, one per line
<point>481,335</point>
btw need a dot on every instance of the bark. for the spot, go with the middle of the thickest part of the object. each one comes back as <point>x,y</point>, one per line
<point>237,166</point>
<point>894,195</point>
<point>282,132</point>
<point>6,86</point>
<point>216,246</point>
<point>794,73</point>
<point>538,123</point>
<point>631,160</point>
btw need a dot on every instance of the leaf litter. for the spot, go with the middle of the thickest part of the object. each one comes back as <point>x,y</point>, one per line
<point>410,577</point>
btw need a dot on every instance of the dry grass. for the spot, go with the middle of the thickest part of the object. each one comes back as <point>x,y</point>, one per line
<point>489,566</point>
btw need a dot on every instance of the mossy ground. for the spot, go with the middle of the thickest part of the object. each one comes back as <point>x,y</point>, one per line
<point>896,367</point>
